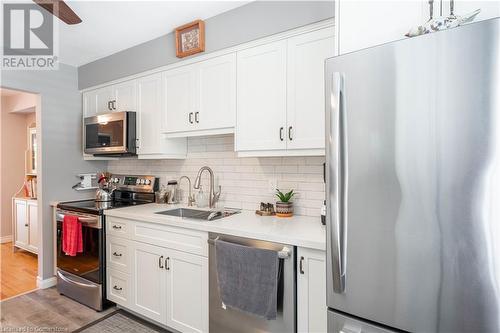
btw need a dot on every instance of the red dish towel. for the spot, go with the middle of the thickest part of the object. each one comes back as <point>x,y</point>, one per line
<point>72,240</point>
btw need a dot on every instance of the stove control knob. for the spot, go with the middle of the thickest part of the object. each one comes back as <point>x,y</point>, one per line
<point>116,180</point>
<point>142,181</point>
<point>148,182</point>
<point>138,181</point>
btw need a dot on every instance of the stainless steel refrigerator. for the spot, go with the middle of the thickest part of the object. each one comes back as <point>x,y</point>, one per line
<point>413,184</point>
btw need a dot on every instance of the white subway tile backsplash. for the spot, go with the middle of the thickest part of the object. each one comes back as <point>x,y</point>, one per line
<point>244,181</point>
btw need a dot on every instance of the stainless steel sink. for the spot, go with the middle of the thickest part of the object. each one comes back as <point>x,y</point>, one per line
<point>207,215</point>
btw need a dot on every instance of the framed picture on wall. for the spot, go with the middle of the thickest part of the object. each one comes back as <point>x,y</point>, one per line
<point>190,38</point>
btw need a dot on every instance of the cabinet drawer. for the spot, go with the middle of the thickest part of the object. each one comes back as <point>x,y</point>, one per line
<point>118,287</point>
<point>191,241</point>
<point>118,254</point>
<point>117,227</point>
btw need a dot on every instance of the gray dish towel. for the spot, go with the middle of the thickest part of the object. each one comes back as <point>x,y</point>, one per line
<point>248,278</point>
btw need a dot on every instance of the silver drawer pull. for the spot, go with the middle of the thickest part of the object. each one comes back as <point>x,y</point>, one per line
<point>117,254</point>
<point>117,288</point>
<point>118,227</point>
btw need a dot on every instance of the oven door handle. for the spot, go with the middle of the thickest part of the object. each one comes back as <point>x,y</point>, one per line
<point>68,280</point>
<point>86,220</point>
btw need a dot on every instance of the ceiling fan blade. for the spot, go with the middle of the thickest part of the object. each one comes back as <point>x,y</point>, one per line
<point>60,9</point>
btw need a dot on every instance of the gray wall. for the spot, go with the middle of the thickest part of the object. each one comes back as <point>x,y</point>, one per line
<point>243,24</point>
<point>60,124</point>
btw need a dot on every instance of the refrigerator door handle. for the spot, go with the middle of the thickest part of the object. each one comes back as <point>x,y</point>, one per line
<point>337,183</point>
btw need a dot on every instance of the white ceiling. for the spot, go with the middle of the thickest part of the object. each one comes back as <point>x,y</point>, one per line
<point>112,26</point>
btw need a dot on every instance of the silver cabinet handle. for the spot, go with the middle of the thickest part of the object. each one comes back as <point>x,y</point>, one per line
<point>160,263</point>
<point>117,227</point>
<point>167,263</point>
<point>281,133</point>
<point>137,143</point>
<point>190,117</point>
<point>336,178</point>
<point>109,105</point>
<point>117,288</point>
<point>117,254</point>
<point>290,133</point>
<point>196,117</point>
<point>113,104</point>
<point>301,265</point>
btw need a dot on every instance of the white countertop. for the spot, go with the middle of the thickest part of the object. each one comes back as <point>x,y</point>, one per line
<point>301,231</point>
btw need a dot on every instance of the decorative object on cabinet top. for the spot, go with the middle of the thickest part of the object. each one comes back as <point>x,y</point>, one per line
<point>442,22</point>
<point>190,39</point>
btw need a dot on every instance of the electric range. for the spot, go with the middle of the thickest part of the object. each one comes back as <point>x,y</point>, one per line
<point>83,277</point>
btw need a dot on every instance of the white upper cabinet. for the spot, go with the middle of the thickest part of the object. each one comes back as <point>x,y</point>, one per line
<point>281,96</point>
<point>179,93</point>
<point>306,88</point>
<point>216,102</point>
<point>125,96</point>
<point>151,142</point>
<point>200,98</point>
<point>118,97</point>
<point>261,103</point>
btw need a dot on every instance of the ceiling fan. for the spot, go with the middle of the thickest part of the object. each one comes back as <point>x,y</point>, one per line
<point>60,9</point>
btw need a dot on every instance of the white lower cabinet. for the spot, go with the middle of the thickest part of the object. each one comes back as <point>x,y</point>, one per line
<point>25,224</point>
<point>311,291</point>
<point>163,284</point>
<point>187,287</point>
<point>149,295</point>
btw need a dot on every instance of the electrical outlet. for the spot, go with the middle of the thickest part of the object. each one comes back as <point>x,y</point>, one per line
<point>272,185</point>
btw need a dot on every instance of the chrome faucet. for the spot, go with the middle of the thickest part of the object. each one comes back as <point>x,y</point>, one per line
<point>213,196</point>
<point>190,198</point>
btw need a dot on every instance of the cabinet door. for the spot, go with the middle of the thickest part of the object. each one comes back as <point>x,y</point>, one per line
<point>22,229</point>
<point>33,224</point>
<point>149,114</point>
<point>104,97</point>
<point>148,278</point>
<point>89,103</point>
<point>216,79</point>
<point>311,291</point>
<point>306,88</point>
<point>261,102</point>
<point>179,93</point>
<point>125,96</point>
<point>187,289</point>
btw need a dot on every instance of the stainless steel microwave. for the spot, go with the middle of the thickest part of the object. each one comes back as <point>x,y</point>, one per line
<point>110,134</point>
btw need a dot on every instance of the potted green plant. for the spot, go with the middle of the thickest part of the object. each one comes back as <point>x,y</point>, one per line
<point>284,207</point>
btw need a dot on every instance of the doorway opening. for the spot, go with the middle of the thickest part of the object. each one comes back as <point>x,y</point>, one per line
<point>19,223</point>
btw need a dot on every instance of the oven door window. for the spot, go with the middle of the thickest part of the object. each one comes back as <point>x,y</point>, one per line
<point>86,264</point>
<point>103,135</point>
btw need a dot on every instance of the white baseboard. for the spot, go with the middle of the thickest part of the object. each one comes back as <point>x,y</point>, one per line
<point>47,283</point>
<point>6,239</point>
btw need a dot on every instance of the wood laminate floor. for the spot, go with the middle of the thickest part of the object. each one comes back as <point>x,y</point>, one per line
<point>45,308</point>
<point>18,271</point>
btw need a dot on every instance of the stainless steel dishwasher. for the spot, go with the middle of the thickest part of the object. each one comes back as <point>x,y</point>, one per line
<point>234,321</point>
